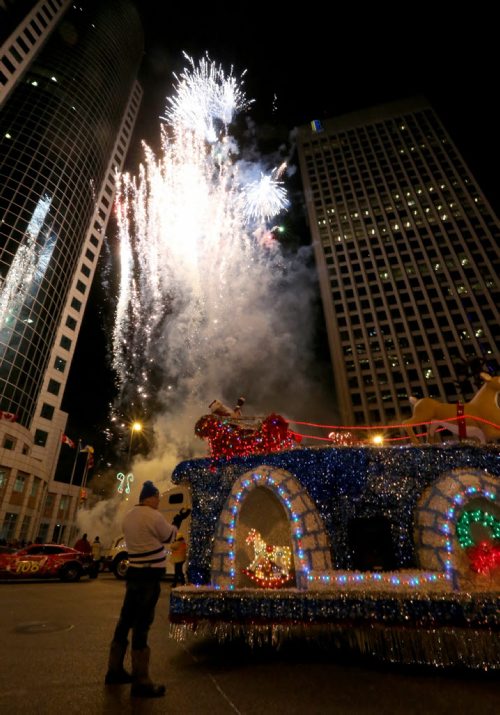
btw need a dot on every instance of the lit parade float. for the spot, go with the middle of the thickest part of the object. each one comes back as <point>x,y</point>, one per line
<point>392,551</point>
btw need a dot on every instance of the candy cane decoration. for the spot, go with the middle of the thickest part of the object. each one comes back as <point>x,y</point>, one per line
<point>125,482</point>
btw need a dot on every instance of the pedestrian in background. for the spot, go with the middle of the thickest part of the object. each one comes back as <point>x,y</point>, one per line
<point>146,532</point>
<point>83,545</point>
<point>178,551</point>
<point>96,556</point>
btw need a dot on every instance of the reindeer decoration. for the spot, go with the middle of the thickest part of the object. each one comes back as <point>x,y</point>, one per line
<point>484,405</point>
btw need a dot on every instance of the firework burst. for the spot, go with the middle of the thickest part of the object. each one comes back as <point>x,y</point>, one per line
<point>199,299</point>
<point>264,198</point>
<point>206,99</point>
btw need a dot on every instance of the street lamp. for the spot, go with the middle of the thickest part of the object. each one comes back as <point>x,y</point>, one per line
<point>134,427</point>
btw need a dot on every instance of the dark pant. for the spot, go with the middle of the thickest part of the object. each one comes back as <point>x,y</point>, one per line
<point>179,574</point>
<point>138,612</point>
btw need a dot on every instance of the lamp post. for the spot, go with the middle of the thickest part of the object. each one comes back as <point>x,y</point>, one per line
<point>71,519</point>
<point>134,427</point>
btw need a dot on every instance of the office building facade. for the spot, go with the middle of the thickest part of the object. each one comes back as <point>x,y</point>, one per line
<point>65,129</point>
<point>407,251</point>
<point>24,29</point>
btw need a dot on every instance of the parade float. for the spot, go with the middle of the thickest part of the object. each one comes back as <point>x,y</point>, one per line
<point>391,551</point>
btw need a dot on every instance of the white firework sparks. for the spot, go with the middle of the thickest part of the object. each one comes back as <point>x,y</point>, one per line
<point>198,296</point>
<point>205,97</point>
<point>264,198</point>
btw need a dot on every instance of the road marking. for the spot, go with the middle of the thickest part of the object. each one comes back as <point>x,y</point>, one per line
<point>214,681</point>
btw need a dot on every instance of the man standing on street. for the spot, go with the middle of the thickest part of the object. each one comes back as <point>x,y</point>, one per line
<point>96,557</point>
<point>83,545</point>
<point>145,532</point>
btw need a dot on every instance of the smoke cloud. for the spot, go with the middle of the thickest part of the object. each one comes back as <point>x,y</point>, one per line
<point>211,306</point>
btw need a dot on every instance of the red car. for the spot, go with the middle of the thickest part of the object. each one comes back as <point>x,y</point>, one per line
<point>45,561</point>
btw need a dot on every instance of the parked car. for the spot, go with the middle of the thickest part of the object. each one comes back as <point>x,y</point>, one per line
<point>45,561</point>
<point>4,549</point>
<point>116,558</point>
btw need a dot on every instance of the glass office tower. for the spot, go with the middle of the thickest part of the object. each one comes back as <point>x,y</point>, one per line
<point>64,130</point>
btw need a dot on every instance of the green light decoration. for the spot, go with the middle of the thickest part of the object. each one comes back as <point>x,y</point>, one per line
<point>478,516</point>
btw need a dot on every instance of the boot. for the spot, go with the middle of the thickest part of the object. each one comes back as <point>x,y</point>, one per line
<point>117,674</point>
<point>142,686</point>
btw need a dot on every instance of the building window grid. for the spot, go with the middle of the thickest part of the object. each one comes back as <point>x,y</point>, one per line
<point>35,27</point>
<point>461,177</point>
<point>136,92</point>
<point>20,482</point>
<point>458,268</point>
<point>393,162</point>
<point>440,254</point>
<point>65,342</point>
<point>372,259</point>
<point>11,207</point>
<point>71,323</point>
<point>358,209</point>
<point>455,170</point>
<point>355,251</point>
<point>349,203</point>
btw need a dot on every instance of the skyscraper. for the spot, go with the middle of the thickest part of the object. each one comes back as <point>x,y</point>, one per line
<point>25,26</point>
<point>64,131</point>
<point>407,250</point>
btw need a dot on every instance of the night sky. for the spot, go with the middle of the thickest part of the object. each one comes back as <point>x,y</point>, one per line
<point>330,62</point>
<point>324,64</point>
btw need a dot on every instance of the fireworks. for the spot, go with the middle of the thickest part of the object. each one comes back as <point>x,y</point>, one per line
<point>264,198</point>
<point>205,97</point>
<point>198,298</point>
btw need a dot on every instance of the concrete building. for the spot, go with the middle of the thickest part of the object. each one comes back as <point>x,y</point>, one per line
<point>65,128</point>
<point>407,250</point>
<point>24,29</point>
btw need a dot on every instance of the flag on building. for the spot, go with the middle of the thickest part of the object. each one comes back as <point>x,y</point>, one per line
<point>68,441</point>
<point>90,455</point>
<point>10,416</point>
<point>316,126</point>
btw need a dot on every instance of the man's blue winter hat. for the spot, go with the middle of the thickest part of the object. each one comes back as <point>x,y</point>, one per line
<point>148,490</point>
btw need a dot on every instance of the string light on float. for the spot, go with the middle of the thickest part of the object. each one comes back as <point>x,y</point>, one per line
<point>266,479</point>
<point>228,439</point>
<point>270,567</point>
<point>485,555</point>
<point>341,439</point>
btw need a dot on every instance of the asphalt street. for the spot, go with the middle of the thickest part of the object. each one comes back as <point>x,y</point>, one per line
<point>54,643</point>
